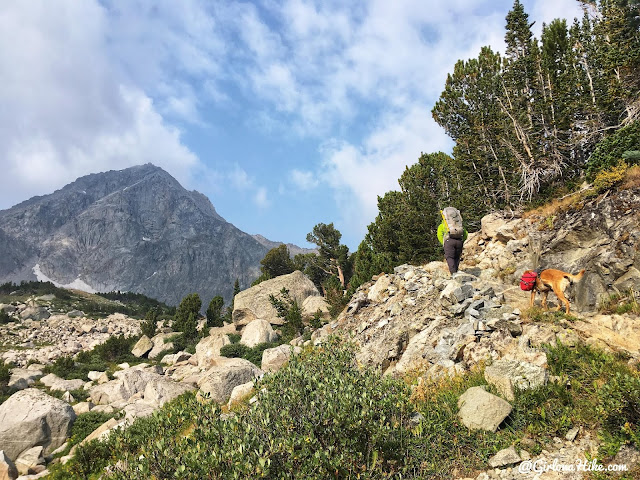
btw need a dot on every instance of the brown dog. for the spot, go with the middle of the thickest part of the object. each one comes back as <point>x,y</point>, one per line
<point>556,280</point>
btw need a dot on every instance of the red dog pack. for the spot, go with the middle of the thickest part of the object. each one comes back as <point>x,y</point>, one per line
<point>528,280</point>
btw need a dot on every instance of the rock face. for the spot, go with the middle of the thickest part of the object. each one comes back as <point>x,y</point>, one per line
<point>598,234</point>
<point>253,303</point>
<point>32,418</point>
<point>133,230</point>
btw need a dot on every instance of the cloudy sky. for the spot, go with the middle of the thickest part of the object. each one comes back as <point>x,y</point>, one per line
<point>285,113</point>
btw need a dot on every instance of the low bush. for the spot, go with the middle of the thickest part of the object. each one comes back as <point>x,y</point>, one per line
<point>621,302</point>
<point>86,423</point>
<point>5,376</point>
<point>612,149</point>
<point>5,317</point>
<point>253,354</point>
<point>609,178</point>
<point>323,416</point>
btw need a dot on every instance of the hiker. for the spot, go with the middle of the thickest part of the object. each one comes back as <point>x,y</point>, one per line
<point>452,234</point>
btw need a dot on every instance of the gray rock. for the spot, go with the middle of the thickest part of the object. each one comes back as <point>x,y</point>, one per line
<point>75,314</point>
<point>29,459</point>
<point>159,391</point>
<point>505,457</point>
<point>35,313</point>
<point>56,383</point>
<point>142,346</point>
<point>572,434</point>
<point>122,389</point>
<point>274,359</point>
<point>312,304</point>
<point>161,344</point>
<point>479,409</point>
<point>208,349</point>
<point>239,392</point>
<point>462,293</point>
<point>506,375</point>
<point>22,378</point>
<point>31,417</point>
<point>256,332</point>
<point>254,303</point>
<point>220,380</point>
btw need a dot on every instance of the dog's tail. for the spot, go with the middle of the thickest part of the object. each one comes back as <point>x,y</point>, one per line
<point>577,277</point>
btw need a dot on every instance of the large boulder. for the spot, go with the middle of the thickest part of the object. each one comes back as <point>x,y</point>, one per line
<point>254,303</point>
<point>311,305</point>
<point>30,418</point>
<point>220,380</point>
<point>257,332</point>
<point>131,381</point>
<point>480,410</point>
<point>506,375</point>
<point>142,346</point>
<point>161,344</point>
<point>159,391</point>
<point>56,383</point>
<point>35,313</point>
<point>273,359</point>
<point>208,349</point>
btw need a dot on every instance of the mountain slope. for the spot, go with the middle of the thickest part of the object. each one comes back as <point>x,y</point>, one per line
<point>136,229</point>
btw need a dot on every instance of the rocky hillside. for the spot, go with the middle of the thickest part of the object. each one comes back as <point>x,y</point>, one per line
<point>474,383</point>
<point>133,230</point>
<point>421,317</point>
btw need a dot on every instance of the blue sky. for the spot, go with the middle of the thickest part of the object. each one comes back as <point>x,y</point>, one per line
<point>285,113</point>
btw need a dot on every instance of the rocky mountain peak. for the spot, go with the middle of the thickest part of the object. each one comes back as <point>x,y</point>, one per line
<point>135,229</point>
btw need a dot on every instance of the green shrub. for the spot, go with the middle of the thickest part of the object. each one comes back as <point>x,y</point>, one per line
<point>150,325</point>
<point>234,350</point>
<point>65,367</point>
<point>253,354</point>
<point>86,423</point>
<point>5,317</point>
<point>610,151</point>
<point>234,337</point>
<point>288,309</point>
<point>5,372</point>
<point>214,312</point>
<point>619,407</point>
<point>322,417</point>
<point>610,177</point>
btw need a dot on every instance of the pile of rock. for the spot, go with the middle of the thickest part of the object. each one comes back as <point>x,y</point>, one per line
<point>422,318</point>
<point>47,339</point>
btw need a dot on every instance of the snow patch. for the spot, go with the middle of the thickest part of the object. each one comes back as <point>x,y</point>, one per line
<point>146,239</point>
<point>150,276</point>
<point>77,284</point>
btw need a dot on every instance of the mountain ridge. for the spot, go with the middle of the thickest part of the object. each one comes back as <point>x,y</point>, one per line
<point>135,230</point>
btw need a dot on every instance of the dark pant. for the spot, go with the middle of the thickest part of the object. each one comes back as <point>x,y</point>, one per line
<point>453,252</point>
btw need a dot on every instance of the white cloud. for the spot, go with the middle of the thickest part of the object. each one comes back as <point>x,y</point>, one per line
<point>303,180</point>
<point>261,198</point>
<point>360,174</point>
<point>84,89</point>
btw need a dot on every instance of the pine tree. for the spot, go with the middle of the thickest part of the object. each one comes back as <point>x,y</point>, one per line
<point>214,312</point>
